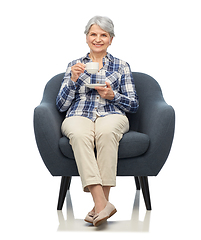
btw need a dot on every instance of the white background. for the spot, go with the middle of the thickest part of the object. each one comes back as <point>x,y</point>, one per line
<point>38,39</point>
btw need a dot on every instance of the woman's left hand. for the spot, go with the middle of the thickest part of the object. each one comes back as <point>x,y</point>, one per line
<point>106,92</point>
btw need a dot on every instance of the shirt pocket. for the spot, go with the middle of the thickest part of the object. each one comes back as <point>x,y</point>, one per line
<point>114,79</point>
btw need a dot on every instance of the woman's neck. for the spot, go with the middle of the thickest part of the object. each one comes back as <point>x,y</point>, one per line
<point>97,57</point>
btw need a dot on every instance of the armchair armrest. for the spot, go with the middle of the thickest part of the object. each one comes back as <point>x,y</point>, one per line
<point>157,120</point>
<point>47,124</point>
<point>47,117</point>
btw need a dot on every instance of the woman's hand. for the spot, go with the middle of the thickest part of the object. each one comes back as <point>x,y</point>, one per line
<point>76,70</point>
<point>106,92</point>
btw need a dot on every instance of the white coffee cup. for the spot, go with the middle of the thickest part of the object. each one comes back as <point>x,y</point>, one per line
<point>92,67</point>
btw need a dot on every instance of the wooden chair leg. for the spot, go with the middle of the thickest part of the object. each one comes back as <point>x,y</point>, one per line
<point>137,183</point>
<point>145,190</point>
<point>65,185</point>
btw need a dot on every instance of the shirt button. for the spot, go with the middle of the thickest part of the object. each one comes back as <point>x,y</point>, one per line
<point>98,82</point>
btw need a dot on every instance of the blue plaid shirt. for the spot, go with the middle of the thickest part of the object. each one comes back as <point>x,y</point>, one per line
<point>78,100</point>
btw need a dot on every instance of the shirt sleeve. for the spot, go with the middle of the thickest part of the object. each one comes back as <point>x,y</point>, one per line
<point>67,91</point>
<point>126,99</point>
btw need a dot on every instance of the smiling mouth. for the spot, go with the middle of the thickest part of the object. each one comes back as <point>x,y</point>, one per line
<point>97,45</point>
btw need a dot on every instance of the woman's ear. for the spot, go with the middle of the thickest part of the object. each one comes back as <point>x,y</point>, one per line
<point>111,40</point>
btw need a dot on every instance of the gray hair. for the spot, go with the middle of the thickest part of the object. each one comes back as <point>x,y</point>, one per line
<point>103,22</point>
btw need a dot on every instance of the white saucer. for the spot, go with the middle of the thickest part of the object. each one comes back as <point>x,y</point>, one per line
<point>95,85</point>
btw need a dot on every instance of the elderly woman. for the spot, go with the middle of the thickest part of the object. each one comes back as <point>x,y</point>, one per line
<point>96,117</point>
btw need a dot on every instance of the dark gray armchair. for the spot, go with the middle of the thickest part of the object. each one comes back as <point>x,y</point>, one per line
<point>142,151</point>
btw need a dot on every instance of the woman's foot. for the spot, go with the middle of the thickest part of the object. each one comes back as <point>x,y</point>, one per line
<point>90,216</point>
<point>97,209</point>
<point>103,215</point>
<point>94,211</point>
<point>100,206</point>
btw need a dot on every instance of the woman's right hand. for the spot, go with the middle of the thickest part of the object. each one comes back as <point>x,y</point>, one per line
<point>76,70</point>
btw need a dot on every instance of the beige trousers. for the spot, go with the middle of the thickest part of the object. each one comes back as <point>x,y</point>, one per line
<point>105,133</point>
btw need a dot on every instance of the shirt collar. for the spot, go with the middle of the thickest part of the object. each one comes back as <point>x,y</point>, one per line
<point>108,56</point>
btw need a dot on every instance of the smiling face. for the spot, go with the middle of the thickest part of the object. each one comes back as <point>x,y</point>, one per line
<point>98,40</point>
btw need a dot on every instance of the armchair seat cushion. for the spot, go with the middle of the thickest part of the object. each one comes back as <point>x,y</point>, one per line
<point>132,144</point>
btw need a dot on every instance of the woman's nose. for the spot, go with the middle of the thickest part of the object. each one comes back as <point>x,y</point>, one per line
<point>98,39</point>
